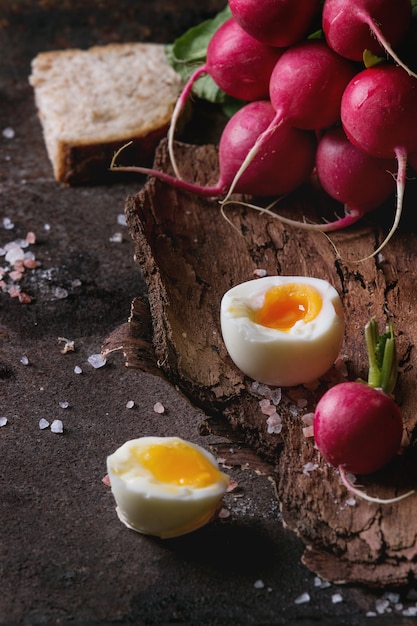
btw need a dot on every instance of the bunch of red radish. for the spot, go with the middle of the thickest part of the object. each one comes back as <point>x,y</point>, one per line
<point>310,104</point>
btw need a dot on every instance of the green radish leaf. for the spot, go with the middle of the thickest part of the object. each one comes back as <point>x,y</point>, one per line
<point>370,59</point>
<point>189,52</point>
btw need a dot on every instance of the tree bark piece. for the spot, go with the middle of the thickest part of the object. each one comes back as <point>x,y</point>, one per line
<point>190,256</point>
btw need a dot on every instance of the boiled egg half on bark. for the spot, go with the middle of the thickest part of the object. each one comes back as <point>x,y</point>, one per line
<point>165,486</point>
<point>283,330</point>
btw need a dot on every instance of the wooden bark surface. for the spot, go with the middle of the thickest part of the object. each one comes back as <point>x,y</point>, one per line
<point>190,255</point>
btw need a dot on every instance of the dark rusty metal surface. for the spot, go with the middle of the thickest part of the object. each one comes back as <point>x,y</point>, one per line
<point>64,556</point>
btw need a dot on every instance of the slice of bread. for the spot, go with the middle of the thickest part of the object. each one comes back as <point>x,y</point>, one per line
<point>92,102</point>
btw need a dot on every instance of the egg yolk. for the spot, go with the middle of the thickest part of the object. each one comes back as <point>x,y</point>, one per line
<point>178,464</point>
<point>284,305</point>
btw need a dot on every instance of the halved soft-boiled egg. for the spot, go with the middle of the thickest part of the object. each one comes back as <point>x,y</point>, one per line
<point>283,330</point>
<point>165,486</point>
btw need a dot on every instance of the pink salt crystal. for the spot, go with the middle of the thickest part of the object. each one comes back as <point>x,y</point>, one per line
<point>31,237</point>
<point>106,480</point>
<point>24,298</point>
<point>308,431</point>
<point>14,291</point>
<point>158,407</point>
<point>308,419</point>
<point>274,424</point>
<point>30,264</point>
<point>232,486</point>
<point>16,276</point>
<point>260,273</point>
<point>224,513</point>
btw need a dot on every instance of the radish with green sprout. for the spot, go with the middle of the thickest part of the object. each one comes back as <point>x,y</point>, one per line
<point>240,66</point>
<point>358,427</point>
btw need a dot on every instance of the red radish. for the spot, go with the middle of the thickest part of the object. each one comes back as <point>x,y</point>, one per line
<point>378,112</point>
<point>284,162</point>
<point>278,23</point>
<point>306,89</point>
<point>352,27</point>
<point>240,66</point>
<point>357,426</point>
<point>351,176</point>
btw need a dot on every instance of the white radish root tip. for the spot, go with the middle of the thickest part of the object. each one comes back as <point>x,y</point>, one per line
<point>365,496</point>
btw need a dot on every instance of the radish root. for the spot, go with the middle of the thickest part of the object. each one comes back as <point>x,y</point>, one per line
<point>365,496</point>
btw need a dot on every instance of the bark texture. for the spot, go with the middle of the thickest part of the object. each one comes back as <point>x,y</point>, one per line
<point>190,255</point>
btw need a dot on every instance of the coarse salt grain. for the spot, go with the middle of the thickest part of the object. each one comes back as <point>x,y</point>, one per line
<point>116,238</point>
<point>274,424</point>
<point>158,407</point>
<point>64,405</point>
<point>259,584</point>
<point>43,423</point>
<point>309,467</point>
<point>303,598</point>
<point>336,598</point>
<point>96,360</point>
<point>260,273</point>
<point>8,133</point>
<point>57,426</point>
<point>121,219</point>
<point>24,360</point>
<point>77,370</point>
<point>130,404</point>
<point>3,421</point>
<point>7,223</point>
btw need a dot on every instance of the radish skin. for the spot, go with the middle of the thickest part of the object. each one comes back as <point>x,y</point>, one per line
<point>379,26</point>
<point>378,111</point>
<point>306,88</point>
<point>240,66</point>
<point>357,426</point>
<point>278,23</point>
<point>280,167</point>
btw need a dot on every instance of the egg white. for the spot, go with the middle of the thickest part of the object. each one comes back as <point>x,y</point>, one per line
<point>275,357</point>
<point>152,507</point>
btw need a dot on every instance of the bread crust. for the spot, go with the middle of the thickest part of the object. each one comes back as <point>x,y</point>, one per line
<point>91,102</point>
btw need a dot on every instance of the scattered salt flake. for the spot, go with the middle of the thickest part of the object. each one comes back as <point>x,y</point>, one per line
<point>16,276</point>
<point>392,597</point>
<point>259,584</point>
<point>303,598</point>
<point>381,605</point>
<point>158,407</point>
<point>7,223</point>
<point>336,598</point>
<point>60,293</point>
<point>8,132</point>
<point>76,283</point>
<point>309,467</point>
<point>43,423</point>
<point>97,360</point>
<point>308,419</point>
<point>351,501</point>
<point>30,237</point>
<point>30,264</point>
<point>14,253</point>
<point>130,404</point>
<point>24,360</point>
<point>121,219</point>
<point>77,370</point>
<point>3,421</point>
<point>47,227</point>
<point>106,480</point>
<point>64,405</point>
<point>57,426</point>
<point>308,431</point>
<point>260,273</point>
<point>411,611</point>
<point>266,407</point>
<point>274,424</point>
<point>24,298</point>
<point>323,584</point>
<point>223,513</point>
<point>116,238</point>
